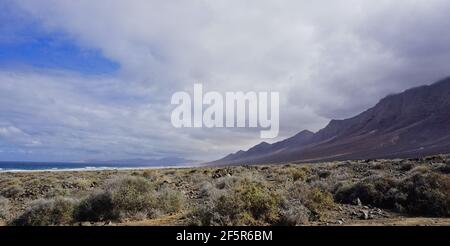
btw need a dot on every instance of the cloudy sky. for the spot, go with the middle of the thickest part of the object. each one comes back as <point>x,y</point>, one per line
<point>93,79</point>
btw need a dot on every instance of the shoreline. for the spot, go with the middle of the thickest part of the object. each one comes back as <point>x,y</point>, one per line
<point>89,169</point>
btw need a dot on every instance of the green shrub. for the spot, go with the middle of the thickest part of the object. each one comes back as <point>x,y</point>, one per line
<point>445,168</point>
<point>427,194</point>
<point>318,201</point>
<point>43,212</point>
<point>323,174</point>
<point>98,206</point>
<point>258,201</point>
<point>372,191</point>
<point>421,194</point>
<point>299,174</point>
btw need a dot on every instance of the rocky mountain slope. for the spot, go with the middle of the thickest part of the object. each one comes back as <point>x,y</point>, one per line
<point>413,123</point>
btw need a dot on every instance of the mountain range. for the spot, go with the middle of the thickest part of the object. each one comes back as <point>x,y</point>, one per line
<point>413,123</point>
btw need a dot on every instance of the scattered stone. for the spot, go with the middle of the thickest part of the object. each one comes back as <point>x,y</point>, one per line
<point>357,202</point>
<point>85,223</point>
<point>222,172</point>
<point>364,215</point>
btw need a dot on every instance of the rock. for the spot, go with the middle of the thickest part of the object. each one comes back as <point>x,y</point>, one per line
<point>380,212</point>
<point>364,215</point>
<point>340,222</point>
<point>85,223</point>
<point>221,172</point>
<point>357,202</point>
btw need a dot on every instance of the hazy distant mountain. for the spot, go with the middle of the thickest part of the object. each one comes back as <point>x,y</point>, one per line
<point>168,161</point>
<point>413,123</point>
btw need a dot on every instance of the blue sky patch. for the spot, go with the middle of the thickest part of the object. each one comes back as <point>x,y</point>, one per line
<point>54,53</point>
<point>23,43</point>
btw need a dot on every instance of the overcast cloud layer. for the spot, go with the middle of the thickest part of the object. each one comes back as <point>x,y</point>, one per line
<point>328,59</point>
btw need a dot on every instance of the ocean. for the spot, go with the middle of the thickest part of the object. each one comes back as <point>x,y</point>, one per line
<point>68,166</point>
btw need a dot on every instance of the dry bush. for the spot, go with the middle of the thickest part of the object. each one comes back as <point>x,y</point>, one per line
<point>372,190</point>
<point>226,182</point>
<point>294,214</point>
<point>43,212</point>
<point>406,166</point>
<point>421,169</point>
<point>129,197</point>
<point>169,200</point>
<point>4,208</point>
<point>421,194</point>
<point>98,206</point>
<point>319,201</point>
<point>12,191</point>
<point>323,174</point>
<point>248,203</point>
<point>328,185</point>
<point>316,200</point>
<point>444,168</point>
<point>427,194</point>
<point>197,178</point>
<point>299,174</point>
<point>258,200</point>
<point>254,203</point>
<point>83,183</point>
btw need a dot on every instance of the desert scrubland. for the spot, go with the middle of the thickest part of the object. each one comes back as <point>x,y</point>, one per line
<point>364,192</point>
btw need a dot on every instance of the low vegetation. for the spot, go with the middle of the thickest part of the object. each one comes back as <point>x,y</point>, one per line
<point>283,194</point>
<point>419,194</point>
<point>58,211</point>
<point>246,203</point>
<point>118,199</point>
<point>4,208</point>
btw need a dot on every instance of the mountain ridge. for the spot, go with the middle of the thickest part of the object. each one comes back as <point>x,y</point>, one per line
<point>412,123</point>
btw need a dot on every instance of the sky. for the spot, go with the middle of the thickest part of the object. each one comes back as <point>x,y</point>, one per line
<point>93,80</point>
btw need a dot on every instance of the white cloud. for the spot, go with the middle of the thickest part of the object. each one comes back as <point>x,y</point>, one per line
<point>15,135</point>
<point>9,131</point>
